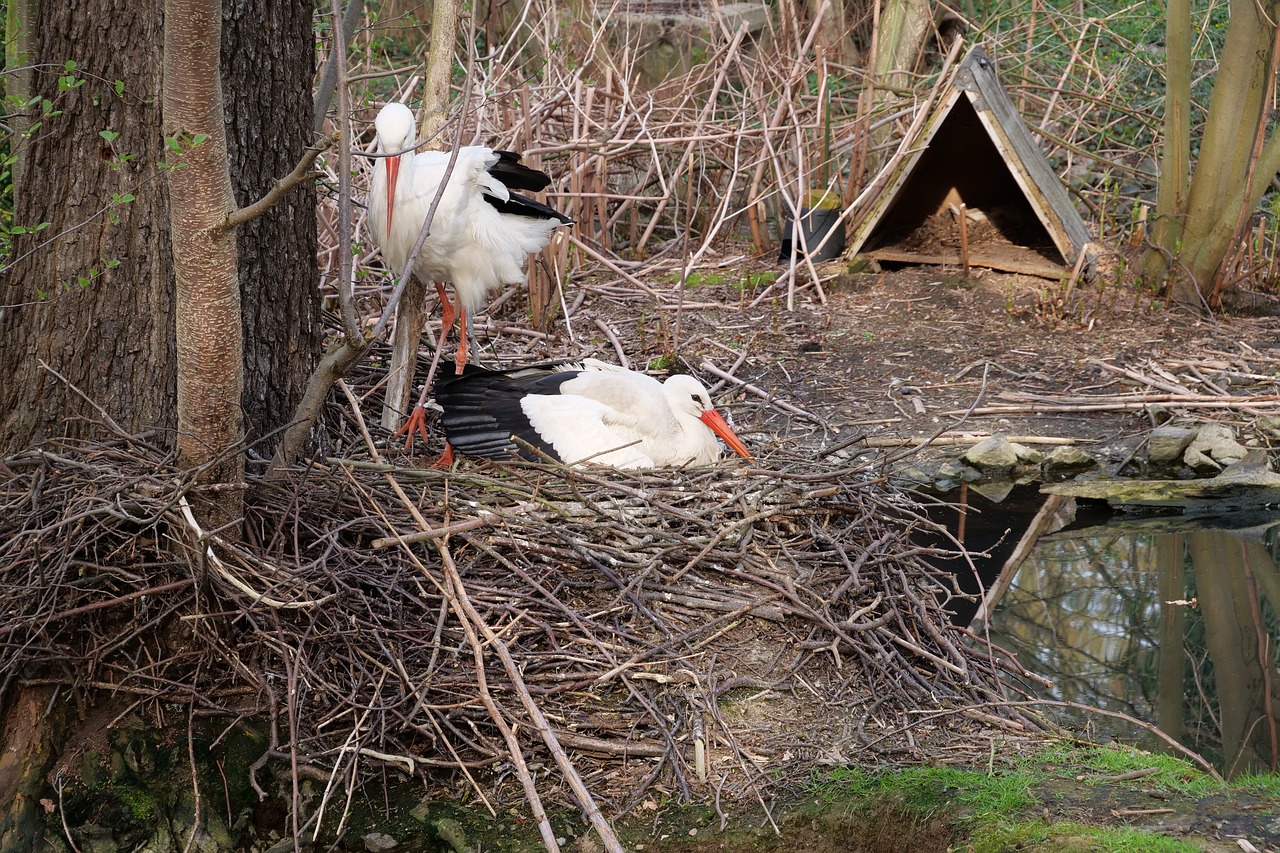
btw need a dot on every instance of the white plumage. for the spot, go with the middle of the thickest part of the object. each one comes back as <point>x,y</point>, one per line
<point>580,412</point>
<point>482,231</point>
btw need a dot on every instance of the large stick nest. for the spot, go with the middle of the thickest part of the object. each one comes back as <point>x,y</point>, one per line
<point>671,626</point>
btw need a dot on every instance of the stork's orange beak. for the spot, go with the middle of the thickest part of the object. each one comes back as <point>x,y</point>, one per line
<point>712,418</point>
<point>393,173</point>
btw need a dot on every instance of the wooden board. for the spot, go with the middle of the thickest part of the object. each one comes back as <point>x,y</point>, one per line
<point>1026,264</point>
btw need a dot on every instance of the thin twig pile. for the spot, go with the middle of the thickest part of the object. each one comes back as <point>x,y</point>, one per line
<point>682,627</point>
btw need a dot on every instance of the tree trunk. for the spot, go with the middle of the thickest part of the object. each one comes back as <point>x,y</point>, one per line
<point>1195,235</point>
<point>30,717</point>
<point>93,172</point>
<point>208,325</point>
<point>266,136</point>
<point>1175,155</point>
<point>111,337</point>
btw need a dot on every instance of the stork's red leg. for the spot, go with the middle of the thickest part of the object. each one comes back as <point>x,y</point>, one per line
<point>446,459</point>
<point>460,360</point>
<point>415,425</point>
<point>447,312</point>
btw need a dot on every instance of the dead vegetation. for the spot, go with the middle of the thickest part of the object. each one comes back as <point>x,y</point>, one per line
<point>693,629</point>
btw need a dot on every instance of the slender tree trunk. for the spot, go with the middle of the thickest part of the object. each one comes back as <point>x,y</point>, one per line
<point>208,327</point>
<point>112,336</point>
<point>1175,156</point>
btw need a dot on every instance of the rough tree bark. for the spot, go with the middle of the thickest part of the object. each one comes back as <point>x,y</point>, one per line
<point>266,136</point>
<point>113,338</point>
<point>92,171</point>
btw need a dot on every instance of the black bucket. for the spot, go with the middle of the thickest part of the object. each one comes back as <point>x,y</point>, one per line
<point>815,224</point>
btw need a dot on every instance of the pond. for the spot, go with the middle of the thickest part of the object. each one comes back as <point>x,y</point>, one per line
<point>1172,621</point>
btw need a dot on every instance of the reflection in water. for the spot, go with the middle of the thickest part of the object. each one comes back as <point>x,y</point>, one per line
<point>1175,628</point>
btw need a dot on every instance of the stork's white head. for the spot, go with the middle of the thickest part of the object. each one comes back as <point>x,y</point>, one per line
<point>394,126</point>
<point>689,396</point>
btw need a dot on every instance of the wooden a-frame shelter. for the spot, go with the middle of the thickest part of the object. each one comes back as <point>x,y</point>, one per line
<point>972,157</point>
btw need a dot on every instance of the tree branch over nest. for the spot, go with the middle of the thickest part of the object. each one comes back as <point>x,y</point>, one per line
<point>300,174</point>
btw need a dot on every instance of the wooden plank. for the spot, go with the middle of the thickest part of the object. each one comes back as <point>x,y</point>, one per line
<point>1027,161</point>
<point>896,172</point>
<point>1028,265</point>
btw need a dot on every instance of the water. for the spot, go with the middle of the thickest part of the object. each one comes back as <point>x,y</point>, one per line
<point>1171,621</point>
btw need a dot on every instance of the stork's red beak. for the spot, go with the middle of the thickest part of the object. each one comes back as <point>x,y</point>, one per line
<point>393,173</point>
<point>712,418</point>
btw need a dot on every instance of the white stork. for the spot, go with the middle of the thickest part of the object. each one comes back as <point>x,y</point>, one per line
<point>482,232</point>
<point>579,412</point>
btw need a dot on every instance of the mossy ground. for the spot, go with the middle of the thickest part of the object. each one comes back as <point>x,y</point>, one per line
<point>1061,799</point>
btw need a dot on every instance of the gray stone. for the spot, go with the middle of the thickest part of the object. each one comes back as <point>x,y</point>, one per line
<point>1213,447</point>
<point>1167,443</point>
<point>1067,458</point>
<point>1026,455</point>
<point>379,842</point>
<point>1252,470</point>
<point>995,453</point>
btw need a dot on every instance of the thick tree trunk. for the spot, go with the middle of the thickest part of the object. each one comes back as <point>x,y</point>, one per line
<point>92,171</point>
<point>266,136</point>
<point>111,338</point>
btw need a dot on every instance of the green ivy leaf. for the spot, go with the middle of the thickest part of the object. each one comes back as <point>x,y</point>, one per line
<point>109,135</point>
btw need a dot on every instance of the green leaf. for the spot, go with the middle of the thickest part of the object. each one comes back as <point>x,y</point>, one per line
<point>69,66</point>
<point>109,135</point>
<point>172,143</point>
<point>119,87</point>
<point>199,138</point>
<point>113,263</point>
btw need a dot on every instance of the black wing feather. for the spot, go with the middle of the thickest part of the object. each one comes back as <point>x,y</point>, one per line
<point>482,408</point>
<point>516,175</point>
<point>523,206</point>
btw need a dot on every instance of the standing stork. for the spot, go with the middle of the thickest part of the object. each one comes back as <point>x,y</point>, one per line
<point>579,412</point>
<point>482,231</point>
